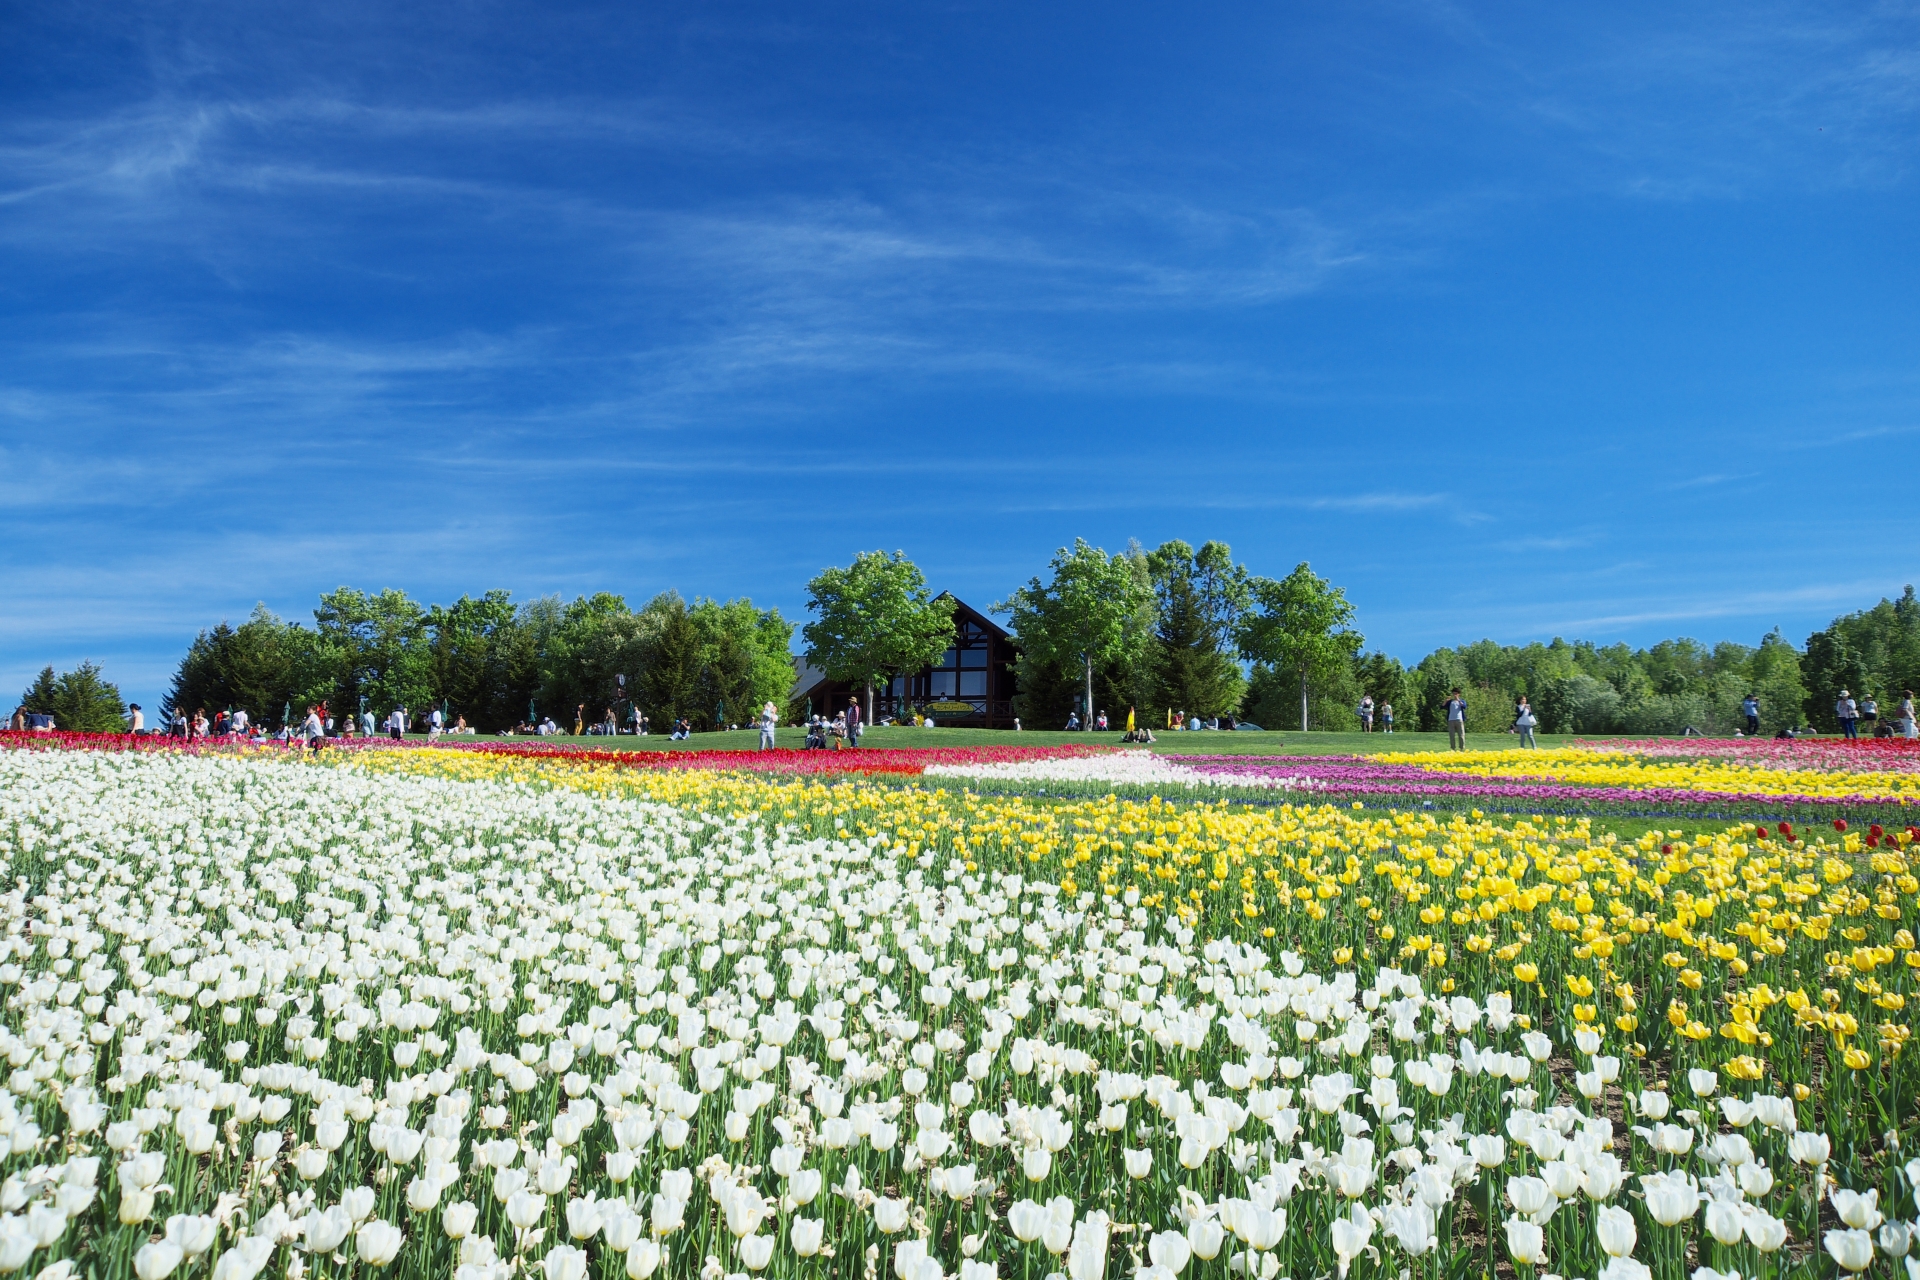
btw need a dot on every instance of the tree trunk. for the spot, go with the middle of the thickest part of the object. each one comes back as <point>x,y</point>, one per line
<point>866,708</point>
<point>1303,699</point>
<point>1086,712</point>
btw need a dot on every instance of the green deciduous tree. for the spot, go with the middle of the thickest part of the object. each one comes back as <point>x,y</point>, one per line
<point>874,620</point>
<point>382,644</point>
<point>1300,624</point>
<point>1089,615</point>
<point>746,657</point>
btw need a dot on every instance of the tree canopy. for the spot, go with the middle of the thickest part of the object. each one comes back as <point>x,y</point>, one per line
<point>1303,625</point>
<point>79,700</point>
<point>875,619</point>
<point>1090,614</point>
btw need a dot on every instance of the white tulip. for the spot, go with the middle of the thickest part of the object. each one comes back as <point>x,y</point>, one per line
<point>1036,1163</point>
<point>1809,1148</point>
<point>1852,1249</point>
<point>1526,1242</point>
<point>1350,1235</point>
<point>156,1259</point>
<point>458,1219</point>
<point>524,1208</point>
<point>194,1233</point>
<point>1857,1209</point>
<point>378,1243</point>
<point>1616,1229</point>
<point>755,1252</point>
<point>1170,1250</point>
<point>1725,1221</point>
<point>1766,1232</point>
<point>890,1215</point>
<point>807,1235</point>
<point>1412,1227</point>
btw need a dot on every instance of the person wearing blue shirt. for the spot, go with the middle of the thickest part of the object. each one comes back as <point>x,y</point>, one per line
<point>1456,722</point>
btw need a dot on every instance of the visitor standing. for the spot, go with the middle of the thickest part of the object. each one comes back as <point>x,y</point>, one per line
<point>1366,713</point>
<point>1907,723</point>
<point>1386,717</point>
<point>1870,713</point>
<point>200,724</point>
<point>366,723</point>
<point>1456,722</point>
<point>180,723</point>
<point>1101,723</point>
<point>1750,708</point>
<point>769,720</point>
<point>436,721</point>
<point>239,723</point>
<point>1847,714</point>
<point>397,724</point>
<point>854,722</point>
<point>136,721</point>
<point>579,719</point>
<point>1524,721</point>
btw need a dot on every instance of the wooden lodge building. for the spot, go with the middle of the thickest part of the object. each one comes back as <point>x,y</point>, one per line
<point>970,687</point>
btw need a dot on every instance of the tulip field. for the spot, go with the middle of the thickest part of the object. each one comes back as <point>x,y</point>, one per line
<point>498,1010</point>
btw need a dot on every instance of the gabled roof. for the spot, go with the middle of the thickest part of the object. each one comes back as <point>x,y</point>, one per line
<point>974,615</point>
<point>807,678</point>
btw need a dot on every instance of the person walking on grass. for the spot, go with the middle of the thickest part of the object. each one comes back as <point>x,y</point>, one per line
<point>1386,717</point>
<point>1524,721</point>
<point>1908,727</point>
<point>1847,714</point>
<point>1366,713</point>
<point>1456,721</point>
<point>769,719</point>
<point>1750,708</point>
<point>854,723</point>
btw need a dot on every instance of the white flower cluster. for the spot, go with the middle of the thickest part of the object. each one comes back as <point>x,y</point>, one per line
<point>1130,768</point>
<point>476,1028</point>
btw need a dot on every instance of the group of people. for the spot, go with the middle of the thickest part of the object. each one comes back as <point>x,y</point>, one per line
<point>1851,712</point>
<point>1368,712</point>
<point>823,734</point>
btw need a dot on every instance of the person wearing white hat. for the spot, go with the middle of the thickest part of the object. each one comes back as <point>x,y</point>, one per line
<point>1847,714</point>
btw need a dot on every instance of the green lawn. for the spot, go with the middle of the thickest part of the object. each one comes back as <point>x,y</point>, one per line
<point>1240,743</point>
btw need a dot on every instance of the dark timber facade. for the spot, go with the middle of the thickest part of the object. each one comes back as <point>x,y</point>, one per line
<point>970,687</point>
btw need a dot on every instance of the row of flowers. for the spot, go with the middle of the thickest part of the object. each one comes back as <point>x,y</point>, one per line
<point>449,1013</point>
<point>884,760</point>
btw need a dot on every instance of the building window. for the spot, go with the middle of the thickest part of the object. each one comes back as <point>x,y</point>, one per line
<point>941,684</point>
<point>973,684</point>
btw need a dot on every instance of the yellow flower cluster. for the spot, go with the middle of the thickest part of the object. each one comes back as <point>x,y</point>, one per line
<point>1724,932</point>
<point>1590,768</point>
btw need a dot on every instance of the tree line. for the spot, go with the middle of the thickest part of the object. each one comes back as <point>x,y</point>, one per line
<point>494,663</point>
<point>1180,629</point>
<point>1174,628</point>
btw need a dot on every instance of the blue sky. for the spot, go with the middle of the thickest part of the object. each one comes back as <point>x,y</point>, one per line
<point>1514,320</point>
